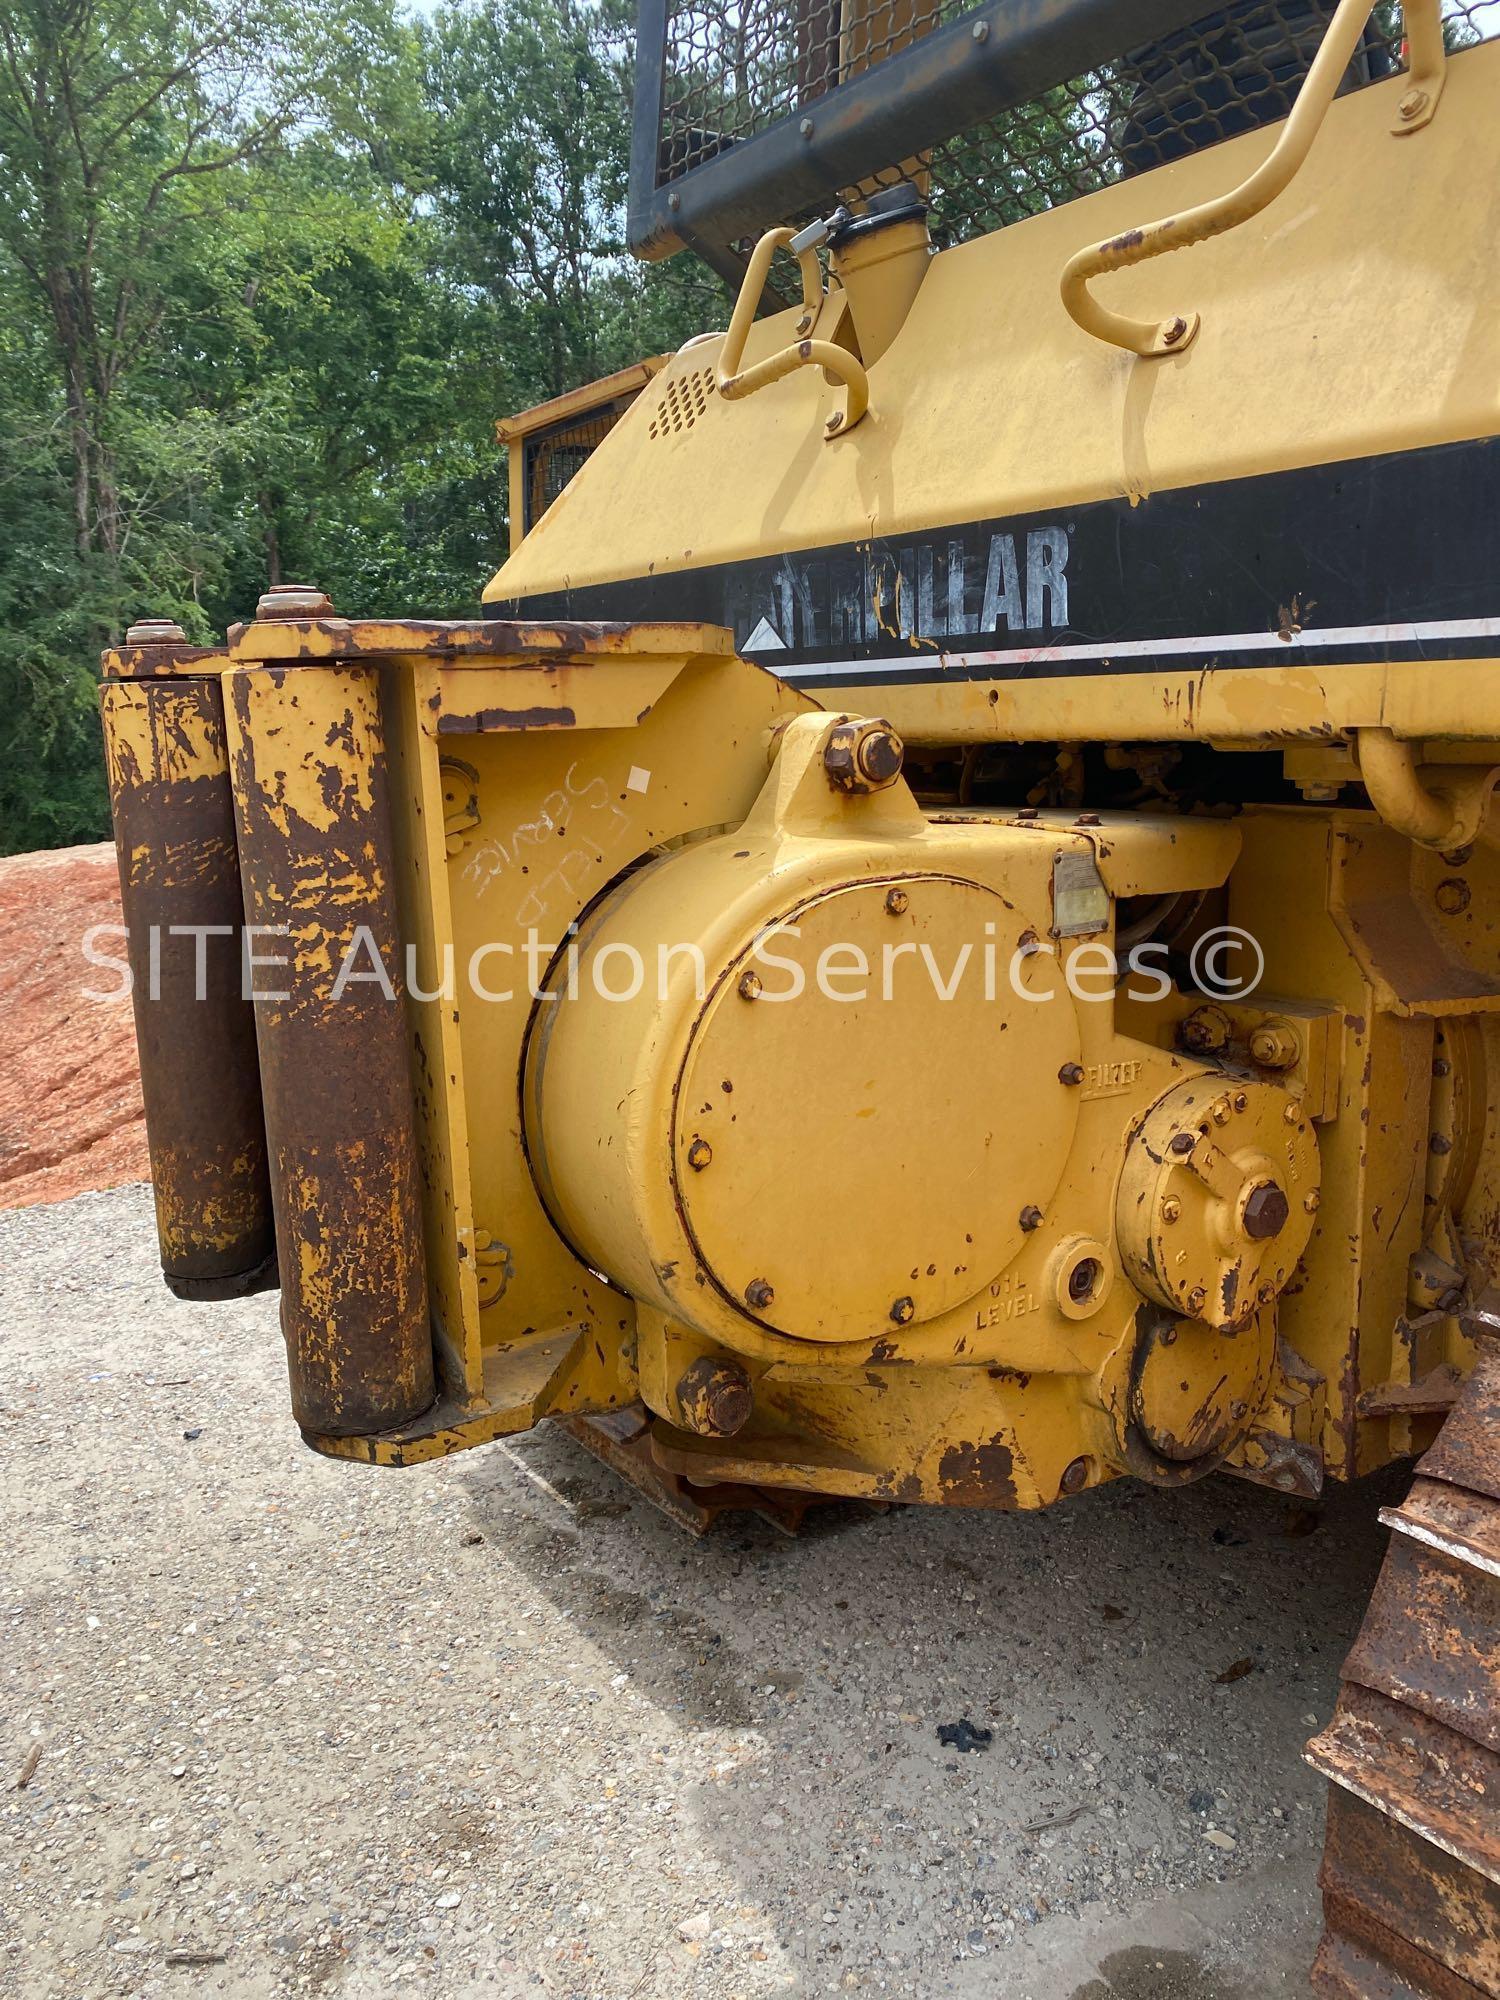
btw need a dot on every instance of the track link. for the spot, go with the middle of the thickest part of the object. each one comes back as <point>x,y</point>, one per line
<point>1411,1866</point>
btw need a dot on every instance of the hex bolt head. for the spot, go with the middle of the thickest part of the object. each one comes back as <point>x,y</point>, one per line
<point>294,600</point>
<point>1071,1072</point>
<point>759,1294</point>
<point>902,1311</point>
<point>699,1154</point>
<point>155,632</point>
<point>1273,1045</point>
<point>896,901</point>
<point>1310,1201</point>
<point>880,754</point>
<point>1413,104</point>
<point>862,757</point>
<point>1076,1476</point>
<point>806,128</point>
<point>1291,1115</point>
<point>749,987</point>
<point>1173,331</point>
<point>1182,1143</point>
<point>1167,1337</point>
<point>1239,1411</point>
<point>714,1396</point>
<point>1031,1217</point>
<point>1452,896</point>
<point>980,31</point>
<point>1197,1298</point>
<point>1171,1209</point>
<point>1205,1031</point>
<point>1266,1211</point>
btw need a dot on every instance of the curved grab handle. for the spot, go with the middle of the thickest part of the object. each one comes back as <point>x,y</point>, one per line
<point>1227,211</point>
<point>1444,814</point>
<point>802,354</point>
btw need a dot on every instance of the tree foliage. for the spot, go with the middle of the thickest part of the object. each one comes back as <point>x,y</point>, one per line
<point>268,274</point>
<point>270,271</point>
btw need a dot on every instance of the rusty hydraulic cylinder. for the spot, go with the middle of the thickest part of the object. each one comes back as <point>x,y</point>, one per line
<point>180,895</point>
<point>313,813</point>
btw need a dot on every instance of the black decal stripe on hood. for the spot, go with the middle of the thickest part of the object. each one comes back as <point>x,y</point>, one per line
<point>1388,558</point>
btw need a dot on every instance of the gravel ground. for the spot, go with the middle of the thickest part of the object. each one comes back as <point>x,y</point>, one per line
<point>495,1725</point>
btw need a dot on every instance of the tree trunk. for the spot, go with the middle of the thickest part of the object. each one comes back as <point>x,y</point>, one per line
<point>107,495</point>
<point>79,430</point>
<point>272,537</point>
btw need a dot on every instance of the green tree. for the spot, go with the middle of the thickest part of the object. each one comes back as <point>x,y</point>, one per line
<point>150,153</point>
<point>267,277</point>
<point>530,160</point>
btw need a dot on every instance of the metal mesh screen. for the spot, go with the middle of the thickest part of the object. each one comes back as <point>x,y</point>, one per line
<point>735,68</point>
<point>554,456</point>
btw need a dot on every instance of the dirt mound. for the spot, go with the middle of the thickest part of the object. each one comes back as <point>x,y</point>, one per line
<point>70,1087</point>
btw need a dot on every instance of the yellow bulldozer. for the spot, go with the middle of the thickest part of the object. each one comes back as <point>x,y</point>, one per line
<point>937,937</point>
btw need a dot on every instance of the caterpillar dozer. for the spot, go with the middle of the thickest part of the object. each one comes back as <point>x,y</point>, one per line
<point>937,936</point>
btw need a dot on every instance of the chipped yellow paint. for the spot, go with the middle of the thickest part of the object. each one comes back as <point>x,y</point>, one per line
<point>156,734</point>
<point>1262,707</point>
<point>326,775</point>
<point>170,799</point>
<point>911,1324</point>
<point>186,1220</point>
<point>439,1090</point>
<point>459,643</point>
<point>961,1273</point>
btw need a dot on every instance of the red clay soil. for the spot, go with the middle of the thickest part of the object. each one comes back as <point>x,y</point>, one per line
<point>70,1087</point>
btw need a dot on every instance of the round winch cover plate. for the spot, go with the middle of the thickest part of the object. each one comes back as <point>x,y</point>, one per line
<point>851,1166</point>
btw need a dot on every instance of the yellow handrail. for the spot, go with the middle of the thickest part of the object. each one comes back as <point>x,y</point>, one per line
<point>802,354</point>
<point>1426,65</point>
<point>1227,211</point>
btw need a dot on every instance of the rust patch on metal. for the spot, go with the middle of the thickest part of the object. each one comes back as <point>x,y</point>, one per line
<point>885,1351</point>
<point>317,857</point>
<point>173,814</point>
<point>905,1488</point>
<point>483,719</point>
<point>301,640</point>
<point>621,1439</point>
<point>158,661</point>
<point>714,1396</point>
<point>978,1475</point>
<point>1411,1870</point>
